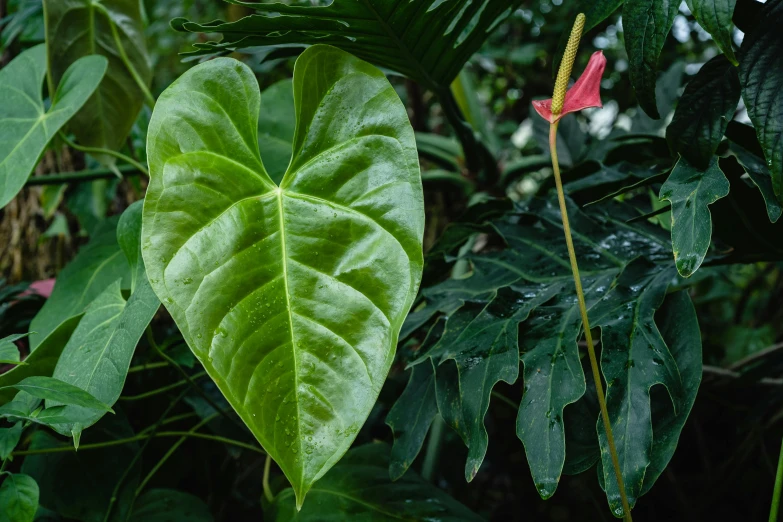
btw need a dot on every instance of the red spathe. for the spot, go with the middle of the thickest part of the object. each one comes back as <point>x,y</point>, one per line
<point>586,92</point>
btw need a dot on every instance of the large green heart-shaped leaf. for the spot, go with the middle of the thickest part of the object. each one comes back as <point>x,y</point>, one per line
<point>646,23</point>
<point>761,77</point>
<point>26,127</point>
<point>690,191</point>
<point>76,28</point>
<point>293,296</point>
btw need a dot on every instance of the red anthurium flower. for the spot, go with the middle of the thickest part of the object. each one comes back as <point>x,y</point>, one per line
<point>584,93</point>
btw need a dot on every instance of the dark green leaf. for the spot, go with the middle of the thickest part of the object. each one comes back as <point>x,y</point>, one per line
<point>168,505</point>
<point>26,127</point>
<point>18,498</point>
<point>761,77</point>
<point>646,23</point>
<point>715,17</point>
<point>428,41</point>
<point>276,126</point>
<point>97,265</point>
<point>691,191</point>
<point>704,112</point>
<point>292,297</point>
<point>78,28</point>
<point>9,438</point>
<point>358,488</point>
<point>759,173</point>
<point>56,390</point>
<point>98,355</point>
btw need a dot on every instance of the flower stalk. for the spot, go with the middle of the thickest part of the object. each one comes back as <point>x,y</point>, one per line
<point>555,112</point>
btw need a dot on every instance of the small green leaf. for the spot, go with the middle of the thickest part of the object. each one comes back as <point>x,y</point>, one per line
<point>704,111</point>
<point>715,17</point>
<point>98,264</point>
<point>358,488</point>
<point>276,126</point>
<point>56,390</point>
<point>691,191</point>
<point>26,127</point>
<point>81,28</point>
<point>646,23</point>
<point>9,352</point>
<point>18,498</point>
<point>168,505</point>
<point>759,173</point>
<point>761,77</point>
<point>9,438</point>
<point>274,288</point>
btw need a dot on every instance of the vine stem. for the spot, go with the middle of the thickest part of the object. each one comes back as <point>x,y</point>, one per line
<point>775,507</point>
<point>98,150</point>
<point>583,311</point>
<point>265,480</point>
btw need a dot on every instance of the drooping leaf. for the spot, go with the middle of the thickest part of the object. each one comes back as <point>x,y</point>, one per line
<point>9,438</point>
<point>358,488</point>
<point>759,173</point>
<point>276,126</point>
<point>704,111</point>
<point>761,77</point>
<point>98,264</point>
<point>428,41</point>
<point>98,354</point>
<point>26,127</point>
<point>18,498</point>
<point>79,484</point>
<point>292,297</point>
<point>691,191</point>
<point>715,17</point>
<point>77,28</point>
<point>646,23</point>
<point>168,505</point>
<point>52,389</point>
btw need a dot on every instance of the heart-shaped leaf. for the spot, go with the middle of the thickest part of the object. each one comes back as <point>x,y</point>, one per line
<point>26,127</point>
<point>291,296</point>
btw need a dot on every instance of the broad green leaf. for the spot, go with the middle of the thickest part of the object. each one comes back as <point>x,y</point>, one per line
<point>98,354</point>
<point>759,173</point>
<point>358,488</point>
<point>761,77</point>
<point>168,505</point>
<point>276,126</point>
<point>9,438</point>
<point>77,28</point>
<point>52,389</point>
<point>715,17</point>
<point>428,40</point>
<point>646,23</point>
<point>18,498</point>
<point>41,361</point>
<point>292,297</point>
<point>79,484</point>
<point>411,417</point>
<point>26,126</point>
<point>704,111</point>
<point>691,191</point>
<point>98,264</point>
<point>9,352</point>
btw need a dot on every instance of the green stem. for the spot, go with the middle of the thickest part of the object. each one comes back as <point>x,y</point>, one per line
<point>432,453</point>
<point>588,335</point>
<point>82,176</point>
<point>265,481</point>
<point>163,389</point>
<point>775,508</point>
<point>148,97</point>
<point>148,366</point>
<point>98,150</point>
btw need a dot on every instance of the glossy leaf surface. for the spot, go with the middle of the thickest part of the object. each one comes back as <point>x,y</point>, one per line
<point>704,111</point>
<point>77,28</point>
<point>646,23</point>
<point>761,77</point>
<point>358,488</point>
<point>18,498</point>
<point>715,17</point>
<point>292,297</point>
<point>98,264</point>
<point>26,127</point>
<point>691,191</point>
<point>427,40</point>
<point>98,354</point>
